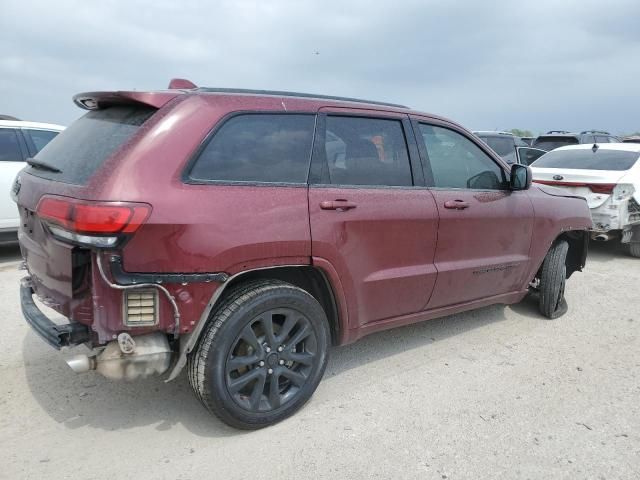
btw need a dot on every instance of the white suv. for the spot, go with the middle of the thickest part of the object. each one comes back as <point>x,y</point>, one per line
<point>608,176</point>
<point>18,141</point>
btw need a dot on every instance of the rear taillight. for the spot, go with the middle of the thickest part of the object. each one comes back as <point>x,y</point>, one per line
<point>604,188</point>
<point>98,224</point>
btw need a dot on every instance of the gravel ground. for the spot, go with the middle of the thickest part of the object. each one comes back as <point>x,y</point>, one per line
<point>495,393</point>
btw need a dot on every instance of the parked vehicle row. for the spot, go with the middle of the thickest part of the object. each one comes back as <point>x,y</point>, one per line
<point>560,138</point>
<point>240,233</point>
<point>511,148</point>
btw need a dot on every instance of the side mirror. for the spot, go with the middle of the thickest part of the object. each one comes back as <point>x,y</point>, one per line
<point>521,177</point>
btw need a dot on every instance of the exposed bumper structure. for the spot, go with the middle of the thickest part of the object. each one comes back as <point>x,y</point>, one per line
<point>57,336</point>
<point>126,358</point>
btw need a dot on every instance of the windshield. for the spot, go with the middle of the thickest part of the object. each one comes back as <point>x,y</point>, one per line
<point>503,146</point>
<point>81,149</point>
<point>586,159</point>
<point>551,143</point>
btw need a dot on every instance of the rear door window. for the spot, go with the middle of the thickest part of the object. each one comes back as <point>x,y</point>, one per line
<point>258,148</point>
<point>457,162</point>
<point>366,151</point>
<point>40,138</point>
<point>9,146</point>
<point>82,148</point>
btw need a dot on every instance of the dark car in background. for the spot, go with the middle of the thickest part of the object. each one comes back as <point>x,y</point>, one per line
<point>510,147</point>
<point>561,138</point>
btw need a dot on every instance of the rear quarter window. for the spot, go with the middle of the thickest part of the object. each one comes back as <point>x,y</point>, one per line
<point>40,138</point>
<point>257,148</point>
<point>83,147</point>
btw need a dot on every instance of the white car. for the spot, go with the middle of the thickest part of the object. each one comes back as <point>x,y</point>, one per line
<point>18,141</point>
<point>608,176</point>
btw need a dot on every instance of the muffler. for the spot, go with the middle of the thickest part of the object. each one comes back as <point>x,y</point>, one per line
<point>126,358</point>
<point>601,237</point>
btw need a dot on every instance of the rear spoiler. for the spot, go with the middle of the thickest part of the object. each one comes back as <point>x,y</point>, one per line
<point>98,100</point>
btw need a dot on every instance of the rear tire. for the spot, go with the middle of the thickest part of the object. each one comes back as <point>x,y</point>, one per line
<point>634,245</point>
<point>553,277</point>
<point>262,354</point>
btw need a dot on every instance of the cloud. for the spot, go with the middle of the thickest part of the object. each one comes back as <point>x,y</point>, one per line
<point>496,64</point>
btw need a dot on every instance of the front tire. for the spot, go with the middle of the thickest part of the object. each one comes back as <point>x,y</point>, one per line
<point>262,354</point>
<point>634,244</point>
<point>553,277</point>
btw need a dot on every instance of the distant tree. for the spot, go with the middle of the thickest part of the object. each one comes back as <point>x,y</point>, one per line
<point>521,133</point>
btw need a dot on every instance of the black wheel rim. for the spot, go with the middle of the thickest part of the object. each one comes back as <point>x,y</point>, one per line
<point>271,360</point>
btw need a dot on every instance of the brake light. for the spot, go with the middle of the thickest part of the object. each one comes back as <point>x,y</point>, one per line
<point>604,188</point>
<point>78,218</point>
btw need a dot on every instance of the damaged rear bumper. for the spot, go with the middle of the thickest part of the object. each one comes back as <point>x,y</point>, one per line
<point>57,336</point>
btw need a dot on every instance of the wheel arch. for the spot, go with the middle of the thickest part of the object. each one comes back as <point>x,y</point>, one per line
<point>310,278</point>
<point>307,277</point>
<point>578,241</point>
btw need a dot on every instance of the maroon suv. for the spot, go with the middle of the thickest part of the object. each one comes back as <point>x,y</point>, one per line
<point>241,233</point>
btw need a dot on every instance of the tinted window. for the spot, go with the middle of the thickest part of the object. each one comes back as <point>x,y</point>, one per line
<point>529,155</point>
<point>367,151</point>
<point>456,162</point>
<point>602,159</point>
<point>603,139</point>
<point>40,137</point>
<point>501,145</point>
<point>9,146</point>
<point>549,143</point>
<point>258,148</point>
<point>79,150</point>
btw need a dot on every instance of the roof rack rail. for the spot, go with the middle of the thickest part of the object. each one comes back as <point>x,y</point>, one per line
<point>595,131</point>
<point>8,117</point>
<point>295,94</point>
<point>558,131</point>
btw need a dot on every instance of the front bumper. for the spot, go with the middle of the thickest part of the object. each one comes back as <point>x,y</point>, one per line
<point>57,336</point>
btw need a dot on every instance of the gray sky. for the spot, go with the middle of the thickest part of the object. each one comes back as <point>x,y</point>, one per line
<point>536,65</point>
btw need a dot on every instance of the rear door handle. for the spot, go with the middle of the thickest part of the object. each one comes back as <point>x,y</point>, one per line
<point>456,204</point>
<point>340,205</point>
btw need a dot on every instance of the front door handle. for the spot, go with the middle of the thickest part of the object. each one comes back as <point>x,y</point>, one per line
<point>340,205</point>
<point>456,204</point>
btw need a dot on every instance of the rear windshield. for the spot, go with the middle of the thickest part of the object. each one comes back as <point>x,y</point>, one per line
<point>550,143</point>
<point>587,160</point>
<point>503,146</point>
<point>82,148</point>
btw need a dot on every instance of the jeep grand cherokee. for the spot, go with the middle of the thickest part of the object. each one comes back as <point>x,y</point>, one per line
<point>241,233</point>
